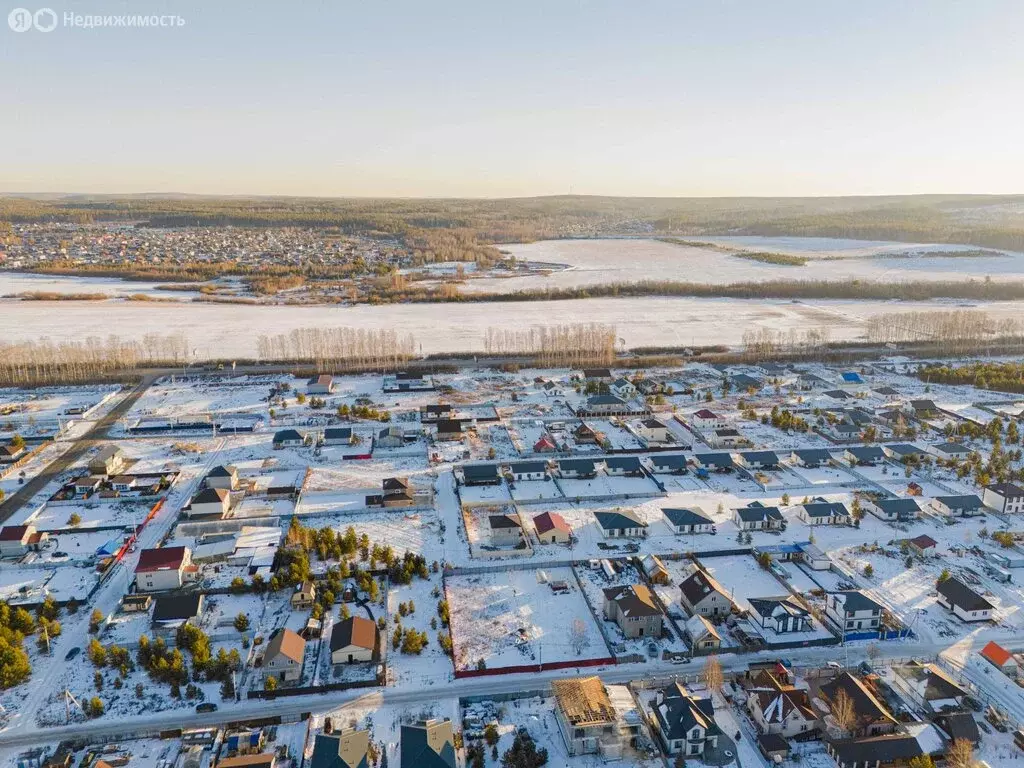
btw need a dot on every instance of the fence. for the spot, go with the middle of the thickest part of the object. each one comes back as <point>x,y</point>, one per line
<point>308,689</point>
<point>548,666</point>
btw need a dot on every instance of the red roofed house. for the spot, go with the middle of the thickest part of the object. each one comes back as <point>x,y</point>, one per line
<point>707,421</point>
<point>544,445</point>
<point>999,657</point>
<point>164,568</point>
<point>552,528</point>
<point>922,545</point>
<point>17,540</point>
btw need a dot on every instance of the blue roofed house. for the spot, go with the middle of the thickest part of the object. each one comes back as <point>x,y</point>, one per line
<point>852,377</point>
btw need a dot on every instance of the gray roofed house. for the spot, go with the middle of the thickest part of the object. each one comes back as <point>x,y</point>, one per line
<point>951,450</point>
<point>759,517</point>
<point>965,505</point>
<point>628,466</point>
<point>338,436</point>
<point>688,520</point>
<point>428,744</point>
<point>671,463</point>
<point>812,457</point>
<point>963,601</point>
<point>620,524</point>
<point>760,459</point>
<point>865,455</point>
<point>577,468</point>
<point>700,593</point>
<point>685,723</point>
<point>480,474</point>
<point>528,470</point>
<point>894,509</point>
<point>717,461</point>
<point>780,614</point>
<point>821,512</point>
<point>288,438</point>
<point>347,749</point>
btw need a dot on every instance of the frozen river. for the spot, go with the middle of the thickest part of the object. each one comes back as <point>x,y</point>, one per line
<point>622,260</point>
<point>224,330</point>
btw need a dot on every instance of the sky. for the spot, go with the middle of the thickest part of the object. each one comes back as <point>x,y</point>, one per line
<point>446,98</point>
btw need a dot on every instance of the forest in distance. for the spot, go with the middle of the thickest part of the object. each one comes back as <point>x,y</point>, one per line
<point>989,221</point>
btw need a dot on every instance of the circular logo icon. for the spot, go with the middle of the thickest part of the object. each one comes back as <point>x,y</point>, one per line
<point>20,19</point>
<point>45,20</point>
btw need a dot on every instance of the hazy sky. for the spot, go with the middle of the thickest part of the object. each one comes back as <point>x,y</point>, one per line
<point>519,97</point>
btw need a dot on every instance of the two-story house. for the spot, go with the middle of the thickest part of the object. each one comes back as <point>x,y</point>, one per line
<point>853,611</point>
<point>634,610</point>
<point>684,722</point>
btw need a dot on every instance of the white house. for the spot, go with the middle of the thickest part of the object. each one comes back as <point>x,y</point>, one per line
<point>966,505</point>
<point>853,610</point>
<point>284,655</point>
<point>963,601</point>
<point>624,524</point>
<point>320,385</point>
<point>528,470</point>
<point>210,501</point>
<point>705,421</point>
<point>1007,498</point>
<point>623,388</point>
<point>353,640</point>
<point>693,520</point>
<point>653,430</point>
<point>17,540</point>
<point>505,530</point>
<point>164,569</point>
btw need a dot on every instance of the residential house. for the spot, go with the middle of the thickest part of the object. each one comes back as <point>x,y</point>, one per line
<point>685,723</point>
<point>303,596</point>
<point>322,384</point>
<point>597,375</point>
<point>504,531</point>
<point>759,460</point>
<point>688,520</point>
<point>779,614</point>
<point>872,717</point>
<point>1007,498</point>
<point>668,463</point>
<point>623,388</point>
<point>811,457</point>
<point>624,524</point>
<point>705,421</point>
<point>209,501</point>
<point>528,470</point>
<point>339,436</point>
<point>608,405</point>
<point>171,612</point>
<point>929,687</point>
<point>821,512</point>
<point>744,383</point>
<point>623,466</point>
<point>864,455</point>
<point>922,545</point>
<point>481,474</point>
<point>577,469</point>
<point>289,438</point>
<point>347,749</point>
<point>655,569</point>
<point>700,593</point>
<point>353,640</point>
<point>257,760</point>
<point>284,655</point>
<point>717,462</point>
<point>724,438</point>
<point>391,437</point>
<point>924,409</point>
<point>947,450</point>
<point>965,505</point>
<point>759,518</point>
<point>110,460</point>
<point>634,610</point>
<point>552,528</point>
<point>901,510</point>
<point>546,444</point>
<point>887,751</point>
<point>852,610</point>
<point>435,411</point>
<point>702,633</point>
<point>887,393</point>
<point>86,485</point>
<point>222,477</point>
<point>903,452</point>
<point>428,744</point>
<point>585,717</point>
<point>11,454</point>
<point>18,540</point>
<point>958,725</point>
<point>653,430</point>
<point>778,707</point>
<point>999,657</point>
<point>584,434</point>
<point>164,569</point>
<point>449,430</point>
<point>963,601</point>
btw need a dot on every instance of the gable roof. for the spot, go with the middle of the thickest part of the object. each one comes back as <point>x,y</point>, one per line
<point>633,600</point>
<point>813,455</point>
<point>854,601</point>
<point>671,460</point>
<point>769,606</point>
<point>826,509</point>
<point>924,541</point>
<point>995,653</point>
<point>287,436</point>
<point>211,496</point>
<point>699,585</point>
<point>162,559</point>
<point>680,712</point>
<point>480,471</point>
<point>428,744</point>
<point>865,704</point>
<point>550,521</point>
<point>962,596</point>
<point>285,641</point>
<point>778,701</point>
<point>355,630</point>
<point>615,521</point>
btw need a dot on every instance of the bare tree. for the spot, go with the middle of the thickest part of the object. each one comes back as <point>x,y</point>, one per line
<point>579,639</point>
<point>844,712</point>
<point>960,754</point>
<point>713,675</point>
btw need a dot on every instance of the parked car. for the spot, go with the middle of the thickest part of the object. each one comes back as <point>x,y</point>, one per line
<point>72,653</point>
<point>206,706</point>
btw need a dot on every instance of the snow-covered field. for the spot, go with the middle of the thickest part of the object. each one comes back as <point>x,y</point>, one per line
<point>219,330</point>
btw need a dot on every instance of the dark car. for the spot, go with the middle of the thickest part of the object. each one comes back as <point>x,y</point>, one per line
<point>72,653</point>
<point>206,706</point>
